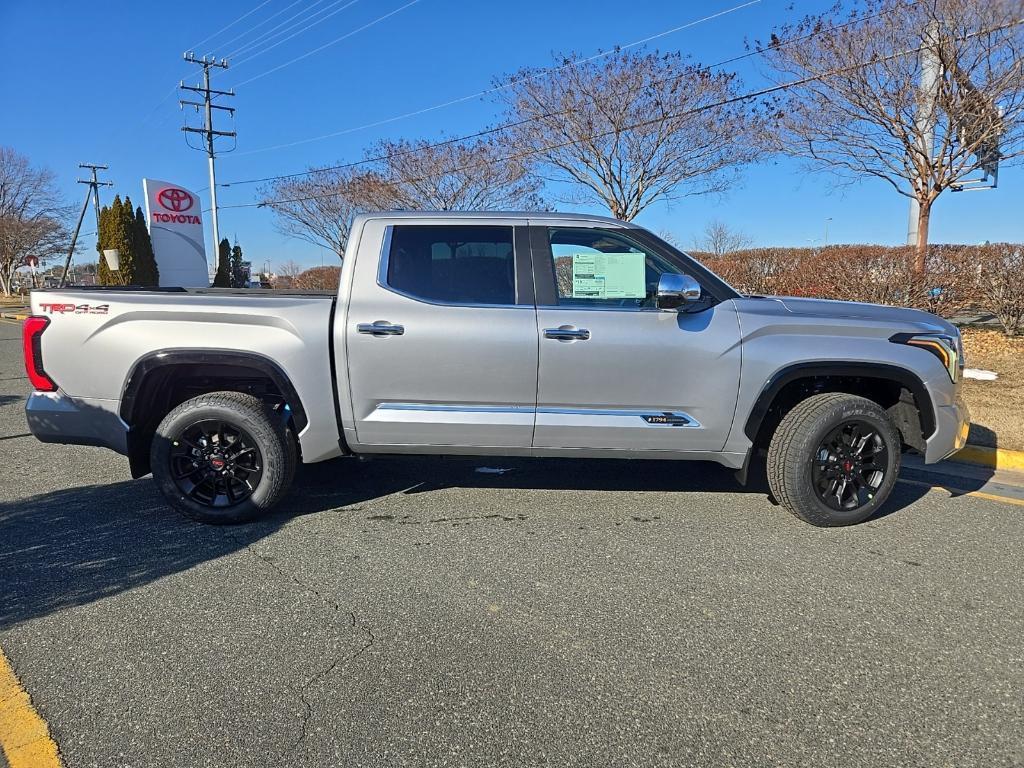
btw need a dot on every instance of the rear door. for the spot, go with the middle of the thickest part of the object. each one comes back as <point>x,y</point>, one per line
<point>441,337</point>
<point>616,372</point>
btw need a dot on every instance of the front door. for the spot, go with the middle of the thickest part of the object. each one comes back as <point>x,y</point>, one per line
<point>441,338</point>
<point>616,372</point>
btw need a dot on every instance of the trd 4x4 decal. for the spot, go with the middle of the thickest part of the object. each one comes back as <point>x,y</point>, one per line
<point>75,309</point>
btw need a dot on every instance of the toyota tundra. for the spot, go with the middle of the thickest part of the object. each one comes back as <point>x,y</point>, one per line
<point>525,334</point>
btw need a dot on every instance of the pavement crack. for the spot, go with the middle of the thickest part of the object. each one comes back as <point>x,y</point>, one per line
<point>370,639</point>
<point>337,661</point>
<point>248,547</point>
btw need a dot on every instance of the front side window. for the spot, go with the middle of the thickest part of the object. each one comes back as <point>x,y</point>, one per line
<point>453,264</point>
<point>599,267</point>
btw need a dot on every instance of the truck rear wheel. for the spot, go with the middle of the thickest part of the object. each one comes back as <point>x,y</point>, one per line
<point>223,457</point>
<point>833,459</point>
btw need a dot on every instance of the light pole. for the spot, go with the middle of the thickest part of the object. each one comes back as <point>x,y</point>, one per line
<point>827,220</point>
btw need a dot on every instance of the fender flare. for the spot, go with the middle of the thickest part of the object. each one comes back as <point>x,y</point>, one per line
<point>163,358</point>
<point>903,376</point>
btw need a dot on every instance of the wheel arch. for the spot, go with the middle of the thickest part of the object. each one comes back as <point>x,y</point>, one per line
<point>898,389</point>
<point>157,382</point>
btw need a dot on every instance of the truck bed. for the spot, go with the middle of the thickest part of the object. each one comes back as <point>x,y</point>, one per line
<point>98,338</point>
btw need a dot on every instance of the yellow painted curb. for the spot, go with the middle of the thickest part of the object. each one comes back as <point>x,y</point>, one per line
<point>942,487</point>
<point>996,458</point>
<point>24,736</point>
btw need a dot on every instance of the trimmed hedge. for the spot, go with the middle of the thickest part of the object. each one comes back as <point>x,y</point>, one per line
<point>958,278</point>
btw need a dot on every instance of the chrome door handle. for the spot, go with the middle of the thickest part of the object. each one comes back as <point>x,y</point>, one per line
<point>567,333</point>
<point>381,328</point>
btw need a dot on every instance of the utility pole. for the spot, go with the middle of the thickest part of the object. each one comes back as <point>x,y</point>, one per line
<point>927,114</point>
<point>209,134</point>
<point>93,192</point>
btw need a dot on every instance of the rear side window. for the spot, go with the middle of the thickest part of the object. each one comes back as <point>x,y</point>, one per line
<point>453,264</point>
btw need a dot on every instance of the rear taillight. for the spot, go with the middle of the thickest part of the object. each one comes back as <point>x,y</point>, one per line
<point>32,345</point>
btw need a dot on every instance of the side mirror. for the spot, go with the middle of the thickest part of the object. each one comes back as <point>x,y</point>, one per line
<point>676,290</point>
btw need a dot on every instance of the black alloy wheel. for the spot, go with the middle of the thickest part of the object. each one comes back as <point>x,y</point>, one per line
<point>834,459</point>
<point>849,465</point>
<point>215,463</point>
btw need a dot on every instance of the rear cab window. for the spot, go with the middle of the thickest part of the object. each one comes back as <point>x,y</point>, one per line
<point>452,264</point>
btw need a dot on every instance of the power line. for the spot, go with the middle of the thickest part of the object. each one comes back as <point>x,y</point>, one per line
<point>495,89</point>
<point>525,121</point>
<point>262,36</point>
<point>265,39</point>
<point>256,26</point>
<point>376,21</point>
<point>153,111</point>
<point>304,29</point>
<point>229,26</point>
<point>685,113</point>
<point>237,37</point>
<point>527,153</point>
<point>174,88</point>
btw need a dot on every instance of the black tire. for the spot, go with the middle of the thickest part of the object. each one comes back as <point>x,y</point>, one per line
<point>815,469</point>
<point>223,457</point>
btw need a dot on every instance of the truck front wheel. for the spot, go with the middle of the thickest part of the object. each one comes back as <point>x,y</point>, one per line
<point>223,457</point>
<point>833,459</point>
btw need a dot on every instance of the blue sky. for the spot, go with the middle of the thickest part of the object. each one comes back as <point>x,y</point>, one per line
<point>94,82</point>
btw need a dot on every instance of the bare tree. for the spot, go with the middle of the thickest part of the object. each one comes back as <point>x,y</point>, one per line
<point>862,108</point>
<point>32,214</point>
<point>318,207</point>
<point>290,269</point>
<point>286,274</point>
<point>670,237</point>
<point>483,175</point>
<point>631,128</point>
<point>719,239</point>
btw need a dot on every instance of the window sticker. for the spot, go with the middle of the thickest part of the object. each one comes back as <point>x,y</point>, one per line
<point>609,275</point>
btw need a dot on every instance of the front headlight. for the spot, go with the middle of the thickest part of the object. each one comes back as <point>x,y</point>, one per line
<point>947,348</point>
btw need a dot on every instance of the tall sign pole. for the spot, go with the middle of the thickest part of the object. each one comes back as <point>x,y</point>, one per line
<point>209,134</point>
<point>927,114</point>
<point>93,192</point>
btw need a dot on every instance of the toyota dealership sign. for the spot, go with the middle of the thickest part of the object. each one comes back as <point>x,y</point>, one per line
<point>176,228</point>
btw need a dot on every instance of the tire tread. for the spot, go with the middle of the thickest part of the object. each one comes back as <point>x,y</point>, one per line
<point>787,451</point>
<point>265,427</point>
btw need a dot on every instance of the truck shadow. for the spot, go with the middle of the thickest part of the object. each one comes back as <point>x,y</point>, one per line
<point>73,546</point>
<point>77,545</point>
<point>345,481</point>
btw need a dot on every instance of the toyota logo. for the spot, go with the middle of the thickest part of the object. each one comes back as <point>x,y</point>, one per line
<point>174,199</point>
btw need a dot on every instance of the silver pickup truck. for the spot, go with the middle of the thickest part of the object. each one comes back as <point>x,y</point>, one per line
<point>525,334</point>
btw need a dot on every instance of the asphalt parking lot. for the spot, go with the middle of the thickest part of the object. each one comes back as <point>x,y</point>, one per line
<point>420,612</point>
